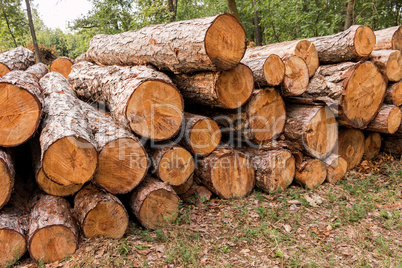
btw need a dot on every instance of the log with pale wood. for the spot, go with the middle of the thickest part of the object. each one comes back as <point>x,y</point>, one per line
<point>139,97</point>
<point>62,65</point>
<point>212,43</point>
<point>38,70</point>
<point>389,62</point>
<point>224,89</point>
<point>182,188</point>
<point>19,58</point>
<point>7,176</point>
<point>389,38</point>
<point>372,145</point>
<point>353,44</point>
<point>387,120</point>
<point>336,168</point>
<point>310,172</point>
<point>267,70</point>
<point>296,77</point>
<point>394,94</point>
<point>351,146</point>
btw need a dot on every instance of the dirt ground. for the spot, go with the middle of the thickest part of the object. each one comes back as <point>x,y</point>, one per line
<point>355,223</point>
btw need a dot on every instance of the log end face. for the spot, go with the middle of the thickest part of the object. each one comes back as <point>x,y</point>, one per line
<point>183,188</point>
<point>50,187</point>
<point>394,66</point>
<point>307,51</point>
<point>372,145</point>
<point>296,77</point>
<point>205,137</point>
<point>397,39</point>
<point>351,146</point>
<point>337,170</point>
<point>6,183</point>
<point>394,120</point>
<point>274,70</point>
<point>13,247</point>
<point>364,41</point>
<point>397,94</point>
<point>312,175</point>
<point>4,69</point>
<point>61,65</point>
<point>176,166</point>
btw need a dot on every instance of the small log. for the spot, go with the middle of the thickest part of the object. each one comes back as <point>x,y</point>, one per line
<point>182,188</point>
<point>350,45</point>
<point>197,194</point>
<point>387,120</point>
<point>392,145</point>
<point>351,146</point>
<point>62,65</point>
<point>310,173</point>
<point>296,77</point>
<point>52,232</point>
<point>372,145</point>
<point>394,94</point>
<point>154,203</point>
<point>268,71</point>
<point>389,62</point>
<point>7,176</point>
<point>389,38</point>
<point>19,58</point>
<point>336,168</point>
<point>38,70</point>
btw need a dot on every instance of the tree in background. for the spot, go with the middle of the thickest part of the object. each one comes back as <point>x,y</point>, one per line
<point>32,29</point>
<point>13,24</point>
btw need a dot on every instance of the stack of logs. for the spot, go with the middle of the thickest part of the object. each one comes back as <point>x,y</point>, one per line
<point>189,111</point>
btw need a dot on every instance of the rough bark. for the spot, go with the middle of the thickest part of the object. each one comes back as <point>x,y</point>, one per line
<point>350,9</point>
<point>394,94</point>
<point>212,43</point>
<point>336,168</point>
<point>267,70</point>
<point>351,146</point>
<point>389,38</point>
<point>310,173</point>
<point>389,62</point>
<point>139,97</point>
<point>387,120</point>
<point>62,65</point>
<point>19,58</point>
<point>372,145</point>
<point>7,176</point>
<point>182,188</point>
<point>38,70</point>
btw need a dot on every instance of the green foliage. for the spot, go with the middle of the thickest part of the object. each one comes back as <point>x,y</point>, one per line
<point>13,22</point>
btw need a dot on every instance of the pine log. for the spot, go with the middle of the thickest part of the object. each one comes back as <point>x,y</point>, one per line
<point>100,213</point>
<point>336,168</point>
<point>212,43</point>
<point>38,70</point>
<point>139,97</point>
<point>389,38</point>
<point>68,152</point>
<point>227,173</point>
<point>182,188</point>
<point>310,173</point>
<point>62,65</point>
<point>123,162</point>
<point>351,146</point>
<point>7,176</point>
<point>154,203</point>
<point>224,89</point>
<point>52,232</point>
<point>387,120</point>
<point>350,45</point>
<point>313,128</point>
<point>19,58</point>
<point>389,62</point>
<point>353,91</point>
<point>394,94</point>
<point>197,194</point>
<point>267,70</point>
<point>21,104</point>
<point>372,145</point>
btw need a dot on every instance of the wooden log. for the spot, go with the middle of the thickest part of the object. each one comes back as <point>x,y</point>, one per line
<point>313,128</point>
<point>21,104</point>
<point>389,38</point>
<point>224,89</point>
<point>227,173</point>
<point>68,152</point>
<point>52,232</point>
<point>393,145</point>
<point>139,97</point>
<point>387,120</point>
<point>268,71</point>
<point>62,65</point>
<point>296,77</point>
<point>182,188</point>
<point>212,43</point>
<point>389,62</point>
<point>336,168</point>
<point>353,91</point>
<point>7,176</point>
<point>352,44</point>
<point>100,213</point>
<point>38,70</point>
<point>310,173</point>
<point>154,203</point>
<point>394,94</point>
<point>372,145</point>
<point>197,194</point>
<point>351,146</point>
<point>19,58</point>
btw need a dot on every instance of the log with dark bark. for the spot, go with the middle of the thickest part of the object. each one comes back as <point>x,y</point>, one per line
<point>182,188</point>
<point>21,104</point>
<point>267,70</point>
<point>389,62</point>
<point>139,97</point>
<point>350,45</point>
<point>154,203</point>
<point>226,172</point>
<point>393,143</point>
<point>68,152</point>
<point>19,58</point>
<point>52,232</point>
<point>310,172</point>
<point>224,89</point>
<point>100,213</point>
<point>7,176</point>
<point>351,146</point>
<point>389,38</point>
<point>394,94</point>
<point>212,43</point>
<point>353,91</point>
<point>38,70</point>
<point>372,145</point>
<point>336,168</point>
<point>387,120</point>
<point>62,65</point>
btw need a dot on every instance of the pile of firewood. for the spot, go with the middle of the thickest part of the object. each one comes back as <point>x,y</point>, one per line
<point>188,110</point>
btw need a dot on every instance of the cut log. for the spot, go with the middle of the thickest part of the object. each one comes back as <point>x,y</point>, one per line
<point>351,146</point>
<point>68,153</point>
<point>267,70</point>
<point>389,62</point>
<point>394,94</point>
<point>392,145</point>
<point>139,96</point>
<point>123,162</point>
<point>20,108</point>
<point>353,91</point>
<point>52,234</point>
<point>224,89</point>
<point>336,168</point>
<point>313,128</point>
<point>197,194</point>
<point>296,77</point>
<point>181,189</point>
<point>100,213</point>
<point>19,58</point>
<point>62,65</point>
<point>389,38</point>
<point>387,120</point>
<point>350,45</point>
<point>310,173</point>
<point>7,176</point>
<point>212,43</point>
<point>226,172</point>
<point>372,145</point>
<point>38,70</point>
<point>154,203</point>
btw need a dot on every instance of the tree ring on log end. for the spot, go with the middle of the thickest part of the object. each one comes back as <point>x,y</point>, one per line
<point>13,247</point>
<point>394,120</point>
<point>364,41</point>
<point>397,40</point>
<point>204,137</point>
<point>61,65</point>
<point>337,170</point>
<point>53,188</point>
<point>372,145</point>
<point>307,51</point>
<point>313,174</point>
<point>296,76</point>
<point>274,70</point>
<point>351,146</point>
<point>176,166</point>
<point>4,70</point>
<point>394,66</point>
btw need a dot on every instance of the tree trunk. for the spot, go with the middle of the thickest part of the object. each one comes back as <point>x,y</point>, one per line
<point>100,213</point>
<point>172,4</point>
<point>8,25</point>
<point>32,29</point>
<point>225,89</point>
<point>389,62</point>
<point>387,120</point>
<point>394,94</point>
<point>154,203</point>
<point>350,10</point>
<point>267,70</point>
<point>233,8</point>
<point>38,70</point>
<point>182,188</point>
<point>336,168</point>
<point>350,45</point>
<point>207,44</point>
<point>257,27</point>
<point>7,177</point>
<point>139,97</point>
<point>52,234</point>
<point>372,145</point>
<point>351,146</point>
<point>353,91</point>
<point>19,58</point>
<point>389,38</point>
<point>20,108</point>
<point>62,65</point>
<point>310,173</point>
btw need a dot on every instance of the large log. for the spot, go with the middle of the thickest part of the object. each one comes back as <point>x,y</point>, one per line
<point>21,104</point>
<point>52,232</point>
<point>225,89</point>
<point>310,172</point>
<point>38,70</point>
<point>394,94</point>
<point>62,65</point>
<point>350,45</point>
<point>372,145</point>
<point>7,176</point>
<point>19,58</point>
<point>212,43</point>
<point>139,96</point>
<point>336,168</point>
<point>154,203</point>
<point>68,152</point>
<point>353,91</point>
<point>267,70</point>
<point>389,62</point>
<point>387,120</point>
<point>351,146</point>
<point>389,38</point>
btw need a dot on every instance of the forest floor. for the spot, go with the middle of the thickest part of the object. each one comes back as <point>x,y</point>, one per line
<point>355,223</point>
